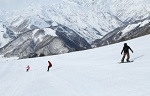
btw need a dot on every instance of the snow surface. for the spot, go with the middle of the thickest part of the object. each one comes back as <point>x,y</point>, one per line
<point>47,31</point>
<point>94,72</point>
<point>50,31</point>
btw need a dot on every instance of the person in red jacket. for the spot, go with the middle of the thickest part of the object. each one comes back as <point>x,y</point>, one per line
<point>28,68</point>
<point>49,65</point>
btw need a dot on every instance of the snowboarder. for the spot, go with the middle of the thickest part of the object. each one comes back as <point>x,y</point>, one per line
<point>126,52</point>
<point>28,68</point>
<point>49,65</point>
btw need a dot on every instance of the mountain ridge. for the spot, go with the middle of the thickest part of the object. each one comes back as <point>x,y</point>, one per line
<point>87,20</point>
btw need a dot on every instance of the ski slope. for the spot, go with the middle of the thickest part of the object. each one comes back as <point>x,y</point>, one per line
<point>93,72</point>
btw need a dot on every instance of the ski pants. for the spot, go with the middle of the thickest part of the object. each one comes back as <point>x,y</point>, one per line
<point>124,55</point>
<point>48,68</point>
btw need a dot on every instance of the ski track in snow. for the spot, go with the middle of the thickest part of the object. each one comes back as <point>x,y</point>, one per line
<point>92,72</point>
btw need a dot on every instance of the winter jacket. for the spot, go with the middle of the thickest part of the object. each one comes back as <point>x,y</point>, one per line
<point>126,49</point>
<point>50,64</point>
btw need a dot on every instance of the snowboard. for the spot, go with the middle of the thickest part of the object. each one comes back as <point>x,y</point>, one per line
<point>125,62</point>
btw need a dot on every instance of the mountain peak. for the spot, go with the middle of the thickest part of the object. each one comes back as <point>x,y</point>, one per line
<point>77,21</point>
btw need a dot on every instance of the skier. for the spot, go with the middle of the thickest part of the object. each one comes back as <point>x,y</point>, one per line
<point>28,68</point>
<point>49,65</point>
<point>126,52</point>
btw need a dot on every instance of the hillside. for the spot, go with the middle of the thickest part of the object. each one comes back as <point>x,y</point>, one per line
<point>73,24</point>
<point>93,72</point>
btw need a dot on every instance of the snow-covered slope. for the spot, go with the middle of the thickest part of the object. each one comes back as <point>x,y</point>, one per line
<point>130,31</point>
<point>2,31</point>
<point>133,26</point>
<point>77,23</point>
<point>5,34</point>
<point>91,19</point>
<point>94,72</point>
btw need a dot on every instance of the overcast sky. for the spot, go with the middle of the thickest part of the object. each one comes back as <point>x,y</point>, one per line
<point>11,5</point>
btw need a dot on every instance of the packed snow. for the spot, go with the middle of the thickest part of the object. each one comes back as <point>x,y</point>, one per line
<point>94,72</point>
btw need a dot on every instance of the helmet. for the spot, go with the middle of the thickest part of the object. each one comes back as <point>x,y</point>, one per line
<point>125,44</point>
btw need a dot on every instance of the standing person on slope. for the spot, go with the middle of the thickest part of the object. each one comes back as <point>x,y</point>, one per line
<point>126,52</point>
<point>28,68</point>
<point>49,65</point>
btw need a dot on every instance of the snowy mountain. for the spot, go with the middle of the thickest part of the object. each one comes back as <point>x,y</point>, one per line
<point>76,23</point>
<point>134,30</point>
<point>94,72</point>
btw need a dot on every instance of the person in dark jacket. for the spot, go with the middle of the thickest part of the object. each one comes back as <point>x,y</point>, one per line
<point>125,50</point>
<point>49,65</point>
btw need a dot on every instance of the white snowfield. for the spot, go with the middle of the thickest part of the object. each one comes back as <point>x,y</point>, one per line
<point>94,72</point>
